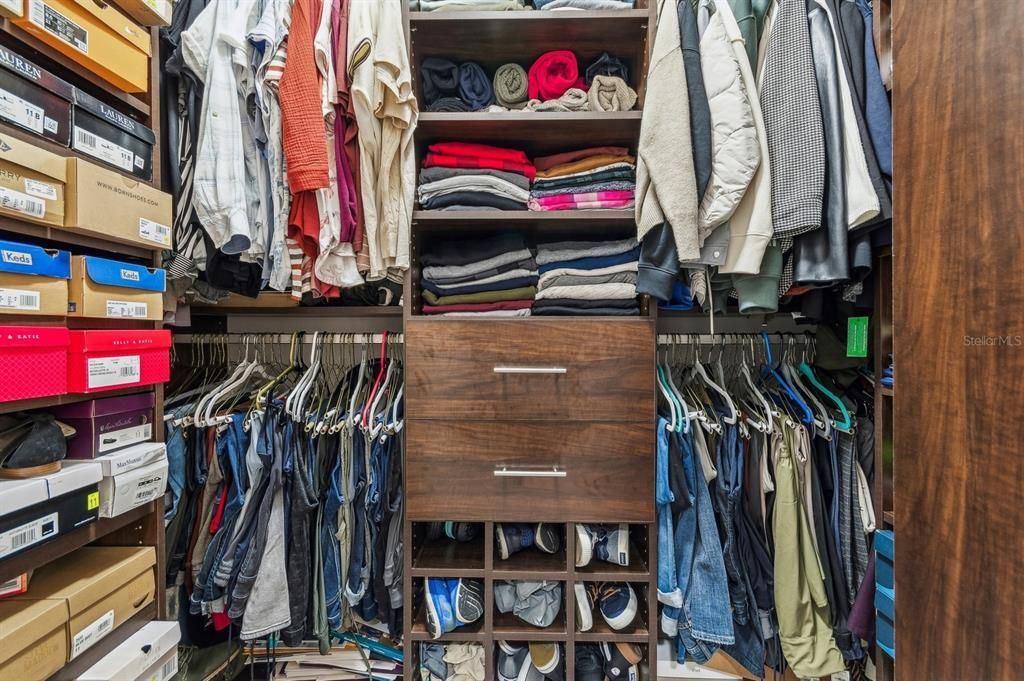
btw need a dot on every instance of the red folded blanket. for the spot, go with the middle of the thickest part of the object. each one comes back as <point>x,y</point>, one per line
<point>553,73</point>
<point>479,307</point>
<point>445,161</point>
<point>478,151</point>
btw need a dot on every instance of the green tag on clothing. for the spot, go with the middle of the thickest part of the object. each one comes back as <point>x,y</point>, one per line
<point>857,337</point>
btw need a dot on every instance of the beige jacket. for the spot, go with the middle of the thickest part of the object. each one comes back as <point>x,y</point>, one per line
<point>666,186</point>
<point>751,224</point>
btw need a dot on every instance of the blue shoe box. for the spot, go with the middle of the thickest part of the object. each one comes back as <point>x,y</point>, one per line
<point>884,559</point>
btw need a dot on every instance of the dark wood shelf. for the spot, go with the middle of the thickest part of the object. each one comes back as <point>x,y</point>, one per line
<point>449,218</point>
<point>76,236</point>
<point>534,132</point>
<point>469,632</point>
<point>447,558</point>
<point>889,518</point>
<point>532,564</point>
<point>79,665</point>
<point>508,626</point>
<point>73,540</point>
<point>275,302</point>
<point>886,392</point>
<point>71,398</point>
<point>71,70</point>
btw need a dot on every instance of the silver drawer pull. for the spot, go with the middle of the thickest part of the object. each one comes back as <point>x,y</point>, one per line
<point>554,472</point>
<point>529,370</point>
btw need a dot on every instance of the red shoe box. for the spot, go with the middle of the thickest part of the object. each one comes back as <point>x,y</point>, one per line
<point>111,360</point>
<point>33,362</point>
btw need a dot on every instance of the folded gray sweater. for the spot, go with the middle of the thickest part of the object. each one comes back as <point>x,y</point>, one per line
<point>574,250</point>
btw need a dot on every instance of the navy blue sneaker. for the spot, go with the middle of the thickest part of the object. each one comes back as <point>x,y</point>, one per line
<point>512,538</point>
<point>440,615</point>
<point>467,600</point>
<point>617,603</point>
<point>546,538</point>
<point>621,660</point>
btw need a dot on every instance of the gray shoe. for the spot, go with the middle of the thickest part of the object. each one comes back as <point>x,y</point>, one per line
<point>545,538</point>
<point>467,599</point>
<point>614,544</point>
<point>513,662</point>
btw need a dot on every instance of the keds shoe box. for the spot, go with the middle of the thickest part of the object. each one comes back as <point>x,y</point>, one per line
<point>33,280</point>
<point>115,290</point>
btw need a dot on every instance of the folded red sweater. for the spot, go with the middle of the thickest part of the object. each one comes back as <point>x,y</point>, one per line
<point>478,151</point>
<point>475,162</point>
<point>553,73</point>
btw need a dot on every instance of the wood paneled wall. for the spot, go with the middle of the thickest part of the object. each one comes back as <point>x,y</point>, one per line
<point>959,327</point>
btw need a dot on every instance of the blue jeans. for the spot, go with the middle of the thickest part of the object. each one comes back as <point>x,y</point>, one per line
<point>176,472</point>
<point>704,621</point>
<point>878,115</point>
<point>668,581</point>
<point>358,569</point>
<point>329,547</point>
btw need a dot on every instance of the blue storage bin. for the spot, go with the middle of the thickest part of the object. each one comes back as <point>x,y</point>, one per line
<point>885,551</point>
<point>885,621</point>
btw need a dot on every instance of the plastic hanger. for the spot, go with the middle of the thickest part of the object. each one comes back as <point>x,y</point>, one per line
<point>700,371</point>
<point>846,424</point>
<point>769,370</point>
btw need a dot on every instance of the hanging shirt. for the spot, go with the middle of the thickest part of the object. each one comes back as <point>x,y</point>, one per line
<point>386,112</point>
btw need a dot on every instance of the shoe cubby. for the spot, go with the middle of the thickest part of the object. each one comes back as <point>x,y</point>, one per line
<point>509,625</point>
<point>439,660</point>
<point>619,625</point>
<point>447,549</point>
<point>550,659</point>
<point>421,606</point>
<point>638,542</point>
<point>611,661</point>
<point>530,548</point>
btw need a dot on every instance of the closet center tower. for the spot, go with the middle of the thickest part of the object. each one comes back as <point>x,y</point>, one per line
<point>529,419</point>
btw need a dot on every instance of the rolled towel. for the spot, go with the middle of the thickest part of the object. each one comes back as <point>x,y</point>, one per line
<point>610,93</point>
<point>448,104</point>
<point>475,86</point>
<point>553,73</point>
<point>440,78</point>
<point>574,99</point>
<point>606,65</point>
<point>510,85</point>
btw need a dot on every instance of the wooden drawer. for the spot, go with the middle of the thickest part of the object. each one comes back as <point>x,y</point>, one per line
<point>560,370</point>
<point>530,471</point>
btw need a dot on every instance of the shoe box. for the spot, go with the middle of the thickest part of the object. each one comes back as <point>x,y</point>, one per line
<point>97,36</point>
<point>107,360</point>
<point>110,203</point>
<point>32,182</point>
<point>32,98</point>
<point>130,477</point>
<point>33,638</point>
<point>150,654</point>
<point>108,424</point>
<point>99,589</point>
<point>113,289</point>
<point>33,362</point>
<point>109,136</point>
<point>33,280</point>
<point>38,510</point>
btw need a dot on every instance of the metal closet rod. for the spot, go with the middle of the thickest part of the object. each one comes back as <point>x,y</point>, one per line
<point>731,338</point>
<point>336,337</point>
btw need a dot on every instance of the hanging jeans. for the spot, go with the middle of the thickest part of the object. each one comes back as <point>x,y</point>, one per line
<point>177,449</point>
<point>704,622</point>
<point>748,648</point>
<point>358,567</point>
<point>668,581</point>
<point>329,547</point>
<point>302,501</point>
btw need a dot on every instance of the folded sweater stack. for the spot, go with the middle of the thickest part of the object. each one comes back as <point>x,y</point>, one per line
<point>587,278</point>
<point>461,175</point>
<point>593,178</point>
<point>494,276</point>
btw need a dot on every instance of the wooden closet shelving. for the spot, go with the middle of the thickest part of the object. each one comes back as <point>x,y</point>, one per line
<point>142,526</point>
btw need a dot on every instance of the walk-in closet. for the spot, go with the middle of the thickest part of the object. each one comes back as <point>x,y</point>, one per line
<point>510,340</point>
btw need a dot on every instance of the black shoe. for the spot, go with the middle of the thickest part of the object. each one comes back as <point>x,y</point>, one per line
<point>620,661</point>
<point>589,662</point>
<point>512,538</point>
<point>467,599</point>
<point>31,445</point>
<point>461,532</point>
<point>545,538</point>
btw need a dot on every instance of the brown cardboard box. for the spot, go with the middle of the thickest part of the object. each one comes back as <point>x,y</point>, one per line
<point>96,35</point>
<point>50,294</point>
<point>94,291</point>
<point>31,182</point>
<point>33,639</point>
<point>100,587</point>
<point>146,12</point>
<point>115,205</point>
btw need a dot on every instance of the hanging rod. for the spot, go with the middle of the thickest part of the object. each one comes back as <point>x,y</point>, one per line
<point>286,338</point>
<point>730,338</point>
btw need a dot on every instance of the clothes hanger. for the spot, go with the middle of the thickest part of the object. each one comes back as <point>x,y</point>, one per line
<point>376,383</point>
<point>822,417</point>
<point>701,372</point>
<point>684,415</point>
<point>662,386</point>
<point>764,424</point>
<point>205,406</point>
<point>846,424</point>
<point>353,415</point>
<point>769,370</point>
